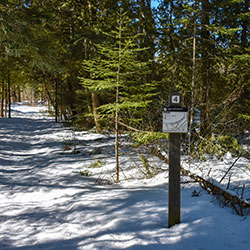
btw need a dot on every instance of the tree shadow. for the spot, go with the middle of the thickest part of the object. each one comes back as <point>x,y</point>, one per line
<point>106,217</point>
<point>48,205</point>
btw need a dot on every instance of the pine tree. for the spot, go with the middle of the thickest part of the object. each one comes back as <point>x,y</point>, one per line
<point>117,74</point>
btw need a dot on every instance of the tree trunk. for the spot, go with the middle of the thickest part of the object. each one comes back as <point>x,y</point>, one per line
<point>6,102</point>
<point>147,29</point>
<point>56,100</point>
<point>193,81</point>
<point>19,94</point>
<point>117,101</point>
<point>172,34</point>
<point>14,94</point>
<point>88,100</point>
<point>50,99</point>
<point>95,105</point>
<point>9,96</point>
<point>117,133</point>
<point>2,99</point>
<point>205,69</point>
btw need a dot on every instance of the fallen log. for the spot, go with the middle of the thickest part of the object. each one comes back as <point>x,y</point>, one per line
<point>213,187</point>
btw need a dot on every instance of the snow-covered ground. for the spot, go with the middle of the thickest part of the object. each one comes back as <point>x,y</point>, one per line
<point>45,203</point>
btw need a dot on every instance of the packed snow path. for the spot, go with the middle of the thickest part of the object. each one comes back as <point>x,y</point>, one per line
<point>46,204</point>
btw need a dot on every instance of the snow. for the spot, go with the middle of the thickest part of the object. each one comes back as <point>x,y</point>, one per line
<point>46,204</point>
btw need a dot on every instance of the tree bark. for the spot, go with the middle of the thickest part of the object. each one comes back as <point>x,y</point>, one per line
<point>2,99</point>
<point>6,102</point>
<point>9,96</point>
<point>56,100</point>
<point>205,69</point>
<point>117,108</point>
<point>19,94</point>
<point>117,133</point>
<point>95,105</point>
<point>193,79</point>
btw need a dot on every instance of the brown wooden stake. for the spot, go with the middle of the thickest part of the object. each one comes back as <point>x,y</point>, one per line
<point>174,180</point>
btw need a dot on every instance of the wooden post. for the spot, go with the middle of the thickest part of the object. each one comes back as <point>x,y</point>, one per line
<point>174,180</point>
<point>174,201</point>
<point>174,122</point>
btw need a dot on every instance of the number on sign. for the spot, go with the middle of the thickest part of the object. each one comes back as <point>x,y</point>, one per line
<point>175,99</point>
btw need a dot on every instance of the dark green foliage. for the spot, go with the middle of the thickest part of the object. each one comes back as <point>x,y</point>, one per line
<point>85,173</point>
<point>219,146</point>
<point>116,67</point>
<point>196,193</point>
<point>147,138</point>
<point>96,164</point>
<point>146,165</point>
<point>67,52</point>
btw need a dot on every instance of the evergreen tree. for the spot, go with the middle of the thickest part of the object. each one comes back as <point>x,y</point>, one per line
<point>117,73</point>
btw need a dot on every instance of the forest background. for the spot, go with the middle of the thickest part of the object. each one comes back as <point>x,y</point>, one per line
<point>110,65</point>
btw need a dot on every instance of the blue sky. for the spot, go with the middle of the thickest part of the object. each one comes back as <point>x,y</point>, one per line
<point>154,3</point>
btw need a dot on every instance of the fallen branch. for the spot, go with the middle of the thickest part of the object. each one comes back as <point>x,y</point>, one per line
<point>130,128</point>
<point>230,168</point>
<point>237,203</point>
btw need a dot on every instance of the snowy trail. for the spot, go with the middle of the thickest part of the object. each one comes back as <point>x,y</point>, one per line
<point>46,204</point>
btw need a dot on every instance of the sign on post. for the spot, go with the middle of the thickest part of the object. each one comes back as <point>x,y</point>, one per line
<point>174,122</point>
<point>175,99</point>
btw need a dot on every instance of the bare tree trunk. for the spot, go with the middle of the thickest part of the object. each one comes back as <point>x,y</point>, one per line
<point>117,132</point>
<point>95,105</point>
<point>193,79</point>
<point>56,100</point>
<point>206,63</point>
<point>88,99</point>
<point>14,94</point>
<point>6,100</point>
<point>117,104</point>
<point>88,54</point>
<point>49,96</point>
<point>9,95</point>
<point>2,99</point>
<point>50,99</point>
<point>19,94</point>
<point>175,74</point>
